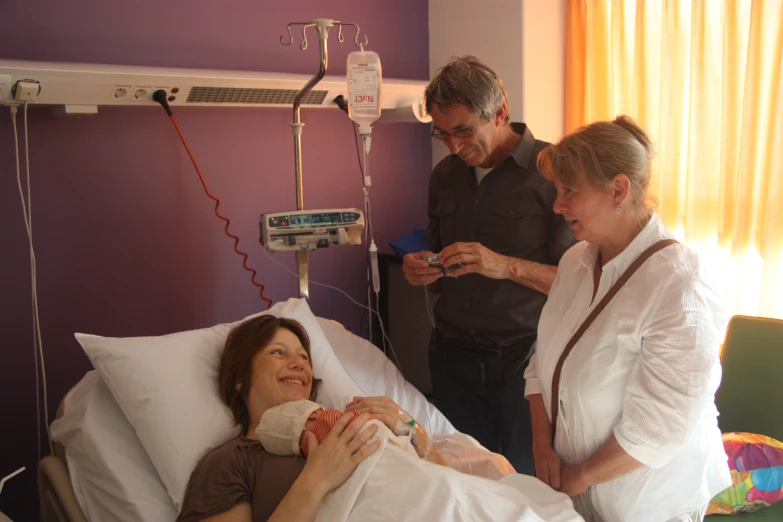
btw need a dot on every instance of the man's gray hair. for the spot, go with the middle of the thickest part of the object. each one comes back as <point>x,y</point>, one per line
<point>468,81</point>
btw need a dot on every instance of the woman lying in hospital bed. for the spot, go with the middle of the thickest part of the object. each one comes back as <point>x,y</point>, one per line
<point>369,456</point>
<point>135,429</point>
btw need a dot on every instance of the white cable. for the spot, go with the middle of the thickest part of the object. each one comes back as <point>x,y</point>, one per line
<point>9,477</point>
<point>27,165</point>
<point>367,236</point>
<point>369,276</point>
<point>369,240</point>
<point>366,233</point>
<point>266,252</point>
<point>377,300</point>
<point>34,271</point>
<point>366,188</point>
<point>370,234</point>
<point>383,331</point>
<point>27,229</point>
<point>27,215</point>
<point>369,300</point>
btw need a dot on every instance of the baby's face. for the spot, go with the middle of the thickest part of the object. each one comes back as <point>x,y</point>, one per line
<point>320,424</point>
<point>312,419</point>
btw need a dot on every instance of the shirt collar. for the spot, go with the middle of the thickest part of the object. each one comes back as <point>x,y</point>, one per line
<point>652,232</point>
<point>523,152</point>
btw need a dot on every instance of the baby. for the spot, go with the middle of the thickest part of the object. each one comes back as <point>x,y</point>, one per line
<point>282,428</point>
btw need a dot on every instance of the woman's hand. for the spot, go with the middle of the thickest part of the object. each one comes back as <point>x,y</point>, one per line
<point>548,466</point>
<point>331,462</point>
<point>385,410</point>
<point>573,481</point>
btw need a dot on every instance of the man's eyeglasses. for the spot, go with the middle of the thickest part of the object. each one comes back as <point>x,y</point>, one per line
<point>465,132</point>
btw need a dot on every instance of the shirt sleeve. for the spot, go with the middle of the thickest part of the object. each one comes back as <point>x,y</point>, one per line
<point>217,484</point>
<point>532,384</point>
<point>676,374</point>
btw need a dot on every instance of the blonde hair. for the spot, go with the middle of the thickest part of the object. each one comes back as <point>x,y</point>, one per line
<point>602,150</point>
<point>467,81</point>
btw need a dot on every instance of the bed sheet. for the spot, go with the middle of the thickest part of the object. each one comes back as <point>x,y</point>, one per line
<point>395,484</point>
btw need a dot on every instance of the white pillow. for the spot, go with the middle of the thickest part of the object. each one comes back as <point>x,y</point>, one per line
<point>112,476</point>
<point>167,388</point>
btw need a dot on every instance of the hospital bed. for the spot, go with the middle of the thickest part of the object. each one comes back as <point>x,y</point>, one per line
<point>100,470</point>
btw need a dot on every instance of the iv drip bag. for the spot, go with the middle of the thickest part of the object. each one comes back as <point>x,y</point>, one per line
<point>364,88</point>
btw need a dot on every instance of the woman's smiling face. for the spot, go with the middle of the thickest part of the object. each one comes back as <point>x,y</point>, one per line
<point>281,373</point>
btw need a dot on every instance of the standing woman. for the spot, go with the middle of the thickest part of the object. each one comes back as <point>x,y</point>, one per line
<point>622,384</point>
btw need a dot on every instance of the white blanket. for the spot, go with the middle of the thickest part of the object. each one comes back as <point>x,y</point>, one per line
<point>394,484</point>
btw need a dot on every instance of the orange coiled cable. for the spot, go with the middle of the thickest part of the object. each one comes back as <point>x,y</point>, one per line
<point>218,214</point>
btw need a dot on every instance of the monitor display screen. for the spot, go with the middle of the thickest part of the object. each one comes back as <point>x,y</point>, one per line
<point>323,219</point>
<point>329,218</point>
<point>301,220</point>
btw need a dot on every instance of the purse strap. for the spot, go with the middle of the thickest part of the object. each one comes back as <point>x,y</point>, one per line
<point>639,261</point>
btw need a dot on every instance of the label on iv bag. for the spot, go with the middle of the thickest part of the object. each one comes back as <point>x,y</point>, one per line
<point>363,88</point>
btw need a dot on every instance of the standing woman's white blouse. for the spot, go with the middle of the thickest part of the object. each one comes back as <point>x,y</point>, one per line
<point>646,371</point>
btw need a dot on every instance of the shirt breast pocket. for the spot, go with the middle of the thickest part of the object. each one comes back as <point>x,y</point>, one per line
<point>447,214</point>
<point>516,228</point>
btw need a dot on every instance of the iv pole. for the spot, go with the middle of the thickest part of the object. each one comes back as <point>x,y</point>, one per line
<point>322,25</point>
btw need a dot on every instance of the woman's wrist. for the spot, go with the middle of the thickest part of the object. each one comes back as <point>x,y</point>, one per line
<point>584,474</point>
<point>542,443</point>
<point>310,485</point>
<point>404,424</point>
<point>421,441</point>
<point>541,427</point>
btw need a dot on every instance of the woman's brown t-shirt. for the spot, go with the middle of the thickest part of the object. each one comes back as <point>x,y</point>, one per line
<point>239,471</point>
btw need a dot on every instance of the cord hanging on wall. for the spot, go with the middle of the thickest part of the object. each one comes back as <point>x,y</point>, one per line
<point>160,97</point>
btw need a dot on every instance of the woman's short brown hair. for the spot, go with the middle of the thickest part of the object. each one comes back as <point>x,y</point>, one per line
<point>236,365</point>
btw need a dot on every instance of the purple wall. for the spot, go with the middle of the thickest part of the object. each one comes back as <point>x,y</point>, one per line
<point>126,241</point>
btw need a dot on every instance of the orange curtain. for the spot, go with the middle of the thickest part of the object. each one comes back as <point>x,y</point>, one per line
<point>704,78</point>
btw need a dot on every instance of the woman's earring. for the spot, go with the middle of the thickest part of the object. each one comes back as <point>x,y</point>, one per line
<point>619,208</point>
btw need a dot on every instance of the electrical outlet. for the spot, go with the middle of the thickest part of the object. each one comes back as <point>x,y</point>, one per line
<point>5,87</point>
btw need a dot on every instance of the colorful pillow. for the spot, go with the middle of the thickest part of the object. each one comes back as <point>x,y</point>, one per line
<point>756,464</point>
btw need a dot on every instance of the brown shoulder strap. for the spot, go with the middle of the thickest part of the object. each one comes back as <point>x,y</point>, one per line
<point>639,261</point>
